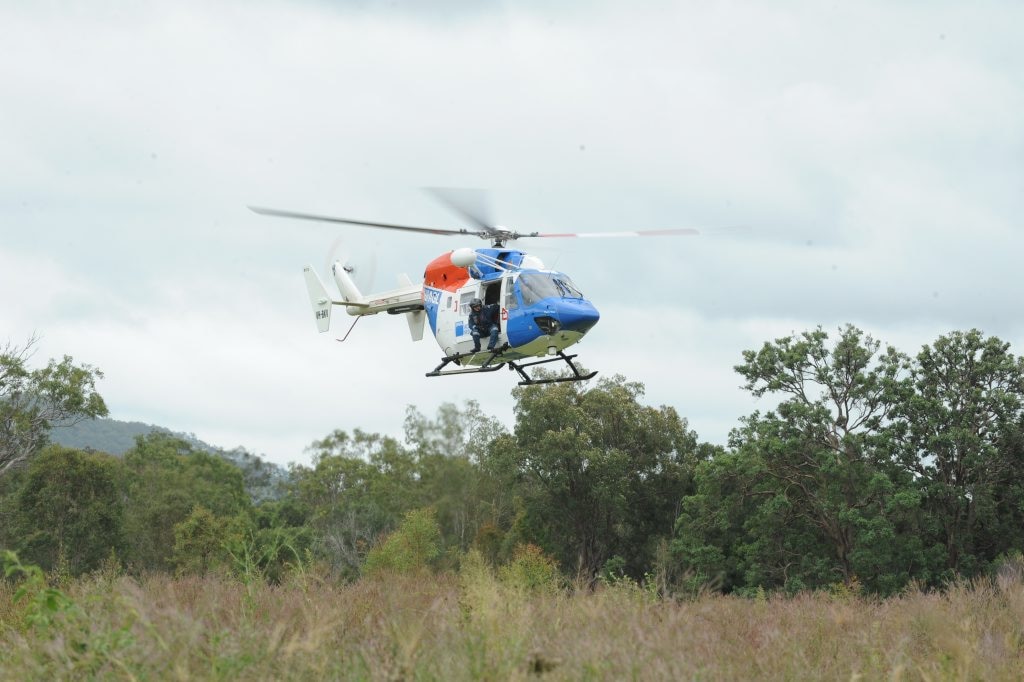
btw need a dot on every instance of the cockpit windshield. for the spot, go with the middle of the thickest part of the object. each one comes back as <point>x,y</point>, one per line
<point>539,285</point>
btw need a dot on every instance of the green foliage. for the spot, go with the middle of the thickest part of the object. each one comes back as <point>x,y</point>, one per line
<point>358,488</point>
<point>822,492</point>
<point>281,542</point>
<point>613,570</point>
<point>847,590</point>
<point>41,603</point>
<point>361,485</point>
<point>410,548</point>
<point>958,433</point>
<point>200,541</point>
<point>594,472</point>
<point>34,400</point>
<point>715,536</point>
<point>165,480</point>
<point>488,542</point>
<point>263,480</point>
<point>68,510</point>
<point>531,570</point>
<point>873,471</point>
<point>447,451</point>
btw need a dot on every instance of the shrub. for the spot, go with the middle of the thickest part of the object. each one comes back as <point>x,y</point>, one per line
<point>411,547</point>
<point>199,542</point>
<point>1008,570</point>
<point>531,569</point>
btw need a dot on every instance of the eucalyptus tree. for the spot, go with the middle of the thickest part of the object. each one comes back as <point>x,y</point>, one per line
<point>356,489</point>
<point>597,473</point>
<point>361,485</point>
<point>32,401</point>
<point>448,451</point>
<point>165,479</point>
<point>829,507</point>
<point>68,510</point>
<point>957,431</point>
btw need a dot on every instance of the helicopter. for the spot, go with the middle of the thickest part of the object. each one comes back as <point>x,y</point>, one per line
<point>542,311</point>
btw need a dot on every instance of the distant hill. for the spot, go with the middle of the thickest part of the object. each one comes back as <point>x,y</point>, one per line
<point>108,435</point>
<point>263,480</point>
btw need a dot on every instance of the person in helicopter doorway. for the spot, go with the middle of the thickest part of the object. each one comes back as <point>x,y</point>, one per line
<point>483,321</point>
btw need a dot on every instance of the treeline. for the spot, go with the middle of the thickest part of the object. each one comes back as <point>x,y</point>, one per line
<point>872,469</point>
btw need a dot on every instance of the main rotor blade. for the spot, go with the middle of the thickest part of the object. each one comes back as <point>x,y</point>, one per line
<point>345,221</point>
<point>471,204</point>
<point>685,231</point>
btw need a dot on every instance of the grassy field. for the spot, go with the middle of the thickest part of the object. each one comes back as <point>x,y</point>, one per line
<point>477,625</point>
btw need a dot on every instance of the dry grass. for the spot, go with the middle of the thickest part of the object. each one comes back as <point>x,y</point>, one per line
<point>474,626</point>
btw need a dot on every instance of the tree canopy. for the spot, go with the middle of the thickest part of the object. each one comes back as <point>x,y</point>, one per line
<point>32,401</point>
<point>871,469</point>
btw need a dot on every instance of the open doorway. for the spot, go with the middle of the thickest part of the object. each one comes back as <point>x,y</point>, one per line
<point>492,293</point>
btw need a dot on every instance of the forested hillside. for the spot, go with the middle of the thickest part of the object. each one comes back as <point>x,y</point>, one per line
<point>262,479</point>
<point>103,434</point>
<point>875,470</point>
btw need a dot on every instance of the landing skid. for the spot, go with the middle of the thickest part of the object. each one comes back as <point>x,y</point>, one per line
<point>530,381</point>
<point>457,358</point>
<point>493,363</point>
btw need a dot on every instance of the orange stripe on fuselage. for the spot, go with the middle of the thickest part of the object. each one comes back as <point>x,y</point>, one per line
<point>441,273</point>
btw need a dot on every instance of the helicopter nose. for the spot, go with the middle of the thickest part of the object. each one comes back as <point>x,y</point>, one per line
<point>578,316</point>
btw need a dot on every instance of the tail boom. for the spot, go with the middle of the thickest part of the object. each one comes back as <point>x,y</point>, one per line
<point>405,299</point>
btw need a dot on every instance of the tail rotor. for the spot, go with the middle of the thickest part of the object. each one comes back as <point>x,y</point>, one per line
<point>361,272</point>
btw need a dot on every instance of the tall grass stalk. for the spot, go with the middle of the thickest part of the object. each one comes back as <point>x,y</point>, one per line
<point>480,625</point>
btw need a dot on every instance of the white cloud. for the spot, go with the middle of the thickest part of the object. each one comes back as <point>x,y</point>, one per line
<point>873,150</point>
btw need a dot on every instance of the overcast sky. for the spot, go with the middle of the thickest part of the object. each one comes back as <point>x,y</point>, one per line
<point>874,152</point>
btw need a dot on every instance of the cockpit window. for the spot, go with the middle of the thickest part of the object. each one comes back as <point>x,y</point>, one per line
<point>566,285</point>
<point>540,285</point>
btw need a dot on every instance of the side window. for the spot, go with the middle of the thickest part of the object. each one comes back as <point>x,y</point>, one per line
<point>464,300</point>
<point>511,303</point>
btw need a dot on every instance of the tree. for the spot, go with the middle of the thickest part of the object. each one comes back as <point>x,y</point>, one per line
<point>68,510</point>
<point>199,541</point>
<point>361,485</point>
<point>717,540</point>
<point>33,401</point>
<point>166,478</point>
<point>957,432</point>
<point>829,487</point>
<point>447,451</point>
<point>408,549</point>
<point>597,473</point>
<point>358,488</point>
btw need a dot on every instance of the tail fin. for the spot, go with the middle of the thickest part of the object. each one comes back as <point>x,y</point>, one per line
<point>347,287</point>
<point>415,318</point>
<point>318,298</point>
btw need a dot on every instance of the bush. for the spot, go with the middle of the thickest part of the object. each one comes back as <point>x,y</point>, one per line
<point>1008,570</point>
<point>531,569</point>
<point>412,547</point>
<point>199,542</point>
